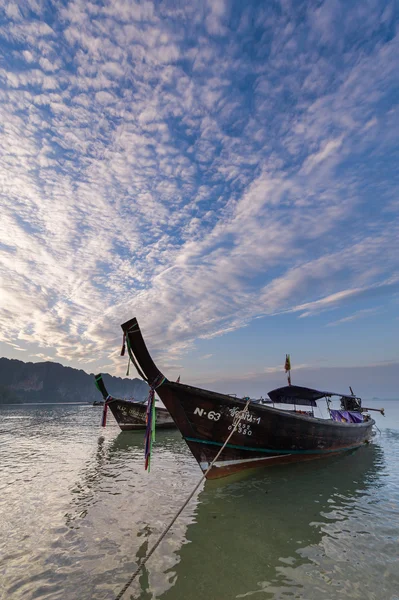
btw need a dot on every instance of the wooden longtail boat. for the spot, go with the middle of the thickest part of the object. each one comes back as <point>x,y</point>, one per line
<point>130,414</point>
<point>265,435</point>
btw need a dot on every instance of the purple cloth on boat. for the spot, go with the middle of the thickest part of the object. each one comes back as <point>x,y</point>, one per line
<point>356,417</point>
<point>346,416</point>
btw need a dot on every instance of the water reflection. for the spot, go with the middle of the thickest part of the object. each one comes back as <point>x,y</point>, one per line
<point>252,534</point>
<point>259,533</point>
<point>293,530</point>
<point>119,461</point>
<point>128,508</point>
<point>78,512</point>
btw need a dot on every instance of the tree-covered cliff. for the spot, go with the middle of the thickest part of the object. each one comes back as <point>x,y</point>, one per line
<point>51,382</point>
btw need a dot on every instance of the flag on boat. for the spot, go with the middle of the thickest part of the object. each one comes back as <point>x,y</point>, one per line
<point>287,367</point>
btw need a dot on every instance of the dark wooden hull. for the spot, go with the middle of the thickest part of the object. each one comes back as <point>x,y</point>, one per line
<point>266,435</point>
<point>132,416</point>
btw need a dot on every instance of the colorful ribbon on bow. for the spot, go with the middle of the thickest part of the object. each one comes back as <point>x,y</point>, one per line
<point>149,437</point>
<point>105,410</point>
<point>123,349</point>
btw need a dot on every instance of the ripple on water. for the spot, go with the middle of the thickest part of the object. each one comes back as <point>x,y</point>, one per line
<point>78,513</point>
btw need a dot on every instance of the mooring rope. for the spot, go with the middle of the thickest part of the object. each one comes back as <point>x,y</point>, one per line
<point>237,419</point>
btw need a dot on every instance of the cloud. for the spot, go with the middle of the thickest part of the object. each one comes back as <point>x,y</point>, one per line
<point>104,98</point>
<point>336,299</point>
<point>366,312</point>
<point>196,166</point>
<point>16,347</point>
<point>328,148</point>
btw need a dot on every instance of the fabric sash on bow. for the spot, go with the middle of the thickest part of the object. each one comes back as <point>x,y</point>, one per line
<point>105,410</point>
<point>149,437</point>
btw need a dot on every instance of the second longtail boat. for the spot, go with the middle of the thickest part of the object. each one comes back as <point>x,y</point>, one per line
<point>265,435</point>
<point>131,414</point>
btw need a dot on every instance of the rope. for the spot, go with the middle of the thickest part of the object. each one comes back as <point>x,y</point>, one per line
<point>239,416</point>
<point>132,357</point>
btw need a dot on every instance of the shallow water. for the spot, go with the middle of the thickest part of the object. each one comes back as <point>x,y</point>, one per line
<point>77,511</point>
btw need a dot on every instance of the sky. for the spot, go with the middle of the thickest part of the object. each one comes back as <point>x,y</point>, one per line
<point>225,171</point>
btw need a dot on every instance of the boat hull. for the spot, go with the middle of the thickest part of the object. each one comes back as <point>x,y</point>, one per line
<point>265,436</point>
<point>131,416</point>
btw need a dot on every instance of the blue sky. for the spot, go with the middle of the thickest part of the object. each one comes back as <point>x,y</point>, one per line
<point>226,171</point>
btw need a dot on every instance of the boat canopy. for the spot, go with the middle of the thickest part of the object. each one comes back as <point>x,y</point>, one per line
<point>295,394</point>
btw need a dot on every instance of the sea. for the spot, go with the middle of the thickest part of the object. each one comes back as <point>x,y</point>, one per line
<point>78,512</point>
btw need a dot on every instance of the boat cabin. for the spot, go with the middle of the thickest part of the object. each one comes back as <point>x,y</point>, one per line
<point>350,405</point>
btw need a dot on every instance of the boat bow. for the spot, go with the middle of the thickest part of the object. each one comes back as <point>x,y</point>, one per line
<point>139,354</point>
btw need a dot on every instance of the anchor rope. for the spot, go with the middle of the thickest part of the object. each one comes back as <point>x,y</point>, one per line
<point>237,419</point>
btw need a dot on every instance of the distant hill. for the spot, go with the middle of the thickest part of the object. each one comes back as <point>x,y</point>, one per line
<point>22,382</point>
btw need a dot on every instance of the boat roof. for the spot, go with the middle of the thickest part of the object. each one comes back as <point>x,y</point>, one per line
<point>295,394</point>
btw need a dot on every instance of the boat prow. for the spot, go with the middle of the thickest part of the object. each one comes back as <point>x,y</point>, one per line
<point>131,415</point>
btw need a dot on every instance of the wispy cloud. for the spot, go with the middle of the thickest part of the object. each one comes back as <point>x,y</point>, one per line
<point>196,166</point>
<point>360,314</point>
<point>334,300</point>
